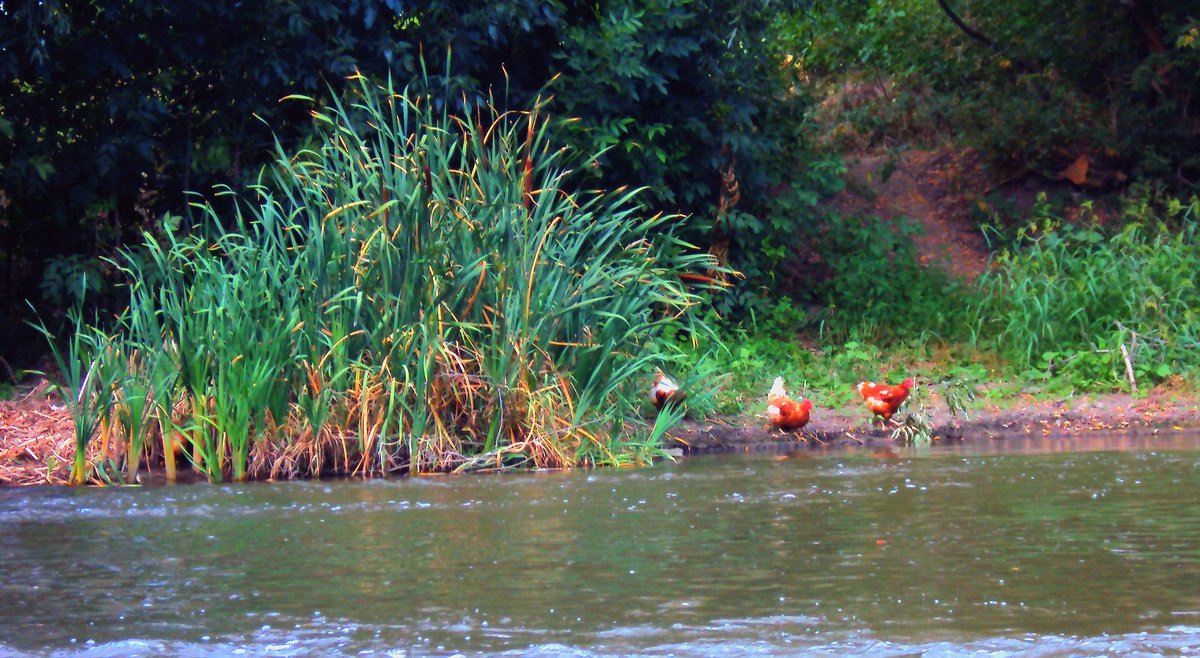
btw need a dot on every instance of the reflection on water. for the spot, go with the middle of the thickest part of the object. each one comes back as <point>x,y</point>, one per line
<point>988,547</point>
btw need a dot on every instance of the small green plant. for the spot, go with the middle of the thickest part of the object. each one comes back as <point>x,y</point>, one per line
<point>88,370</point>
<point>916,429</point>
<point>916,426</point>
<point>959,395</point>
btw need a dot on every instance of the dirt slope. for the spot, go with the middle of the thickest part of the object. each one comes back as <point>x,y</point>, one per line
<point>931,187</point>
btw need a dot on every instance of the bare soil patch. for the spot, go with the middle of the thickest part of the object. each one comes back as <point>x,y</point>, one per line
<point>932,188</point>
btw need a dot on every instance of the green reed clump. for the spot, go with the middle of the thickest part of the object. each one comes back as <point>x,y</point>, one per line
<point>89,366</point>
<point>416,291</point>
<point>1098,305</point>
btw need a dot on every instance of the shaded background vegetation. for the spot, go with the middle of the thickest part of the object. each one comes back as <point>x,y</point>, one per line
<point>1033,84</point>
<point>111,110</point>
<point>1092,100</point>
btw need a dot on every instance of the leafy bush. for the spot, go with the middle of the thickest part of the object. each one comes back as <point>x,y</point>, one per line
<point>694,100</point>
<point>416,291</point>
<point>877,288</point>
<point>1037,84</point>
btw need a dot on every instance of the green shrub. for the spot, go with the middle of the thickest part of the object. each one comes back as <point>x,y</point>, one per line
<point>666,94</point>
<point>877,288</point>
<point>695,101</point>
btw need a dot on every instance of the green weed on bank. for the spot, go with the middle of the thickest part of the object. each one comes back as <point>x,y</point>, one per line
<point>785,343</point>
<point>1065,308</point>
<point>1096,308</point>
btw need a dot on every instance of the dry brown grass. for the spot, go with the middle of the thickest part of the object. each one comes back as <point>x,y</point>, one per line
<point>36,438</point>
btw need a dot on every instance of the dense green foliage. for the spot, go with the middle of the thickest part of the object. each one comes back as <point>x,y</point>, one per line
<point>417,291</point>
<point>1039,84</point>
<point>111,111</point>
<point>1077,301</point>
<point>696,103</point>
<point>1096,93</point>
<point>1059,312</point>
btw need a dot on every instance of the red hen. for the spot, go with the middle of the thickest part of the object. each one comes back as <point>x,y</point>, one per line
<point>882,399</point>
<point>785,413</point>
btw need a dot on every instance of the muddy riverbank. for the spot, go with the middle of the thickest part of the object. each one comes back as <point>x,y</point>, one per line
<point>832,428</point>
<point>37,445</point>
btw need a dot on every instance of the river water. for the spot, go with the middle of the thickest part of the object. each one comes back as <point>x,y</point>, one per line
<point>1086,546</point>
